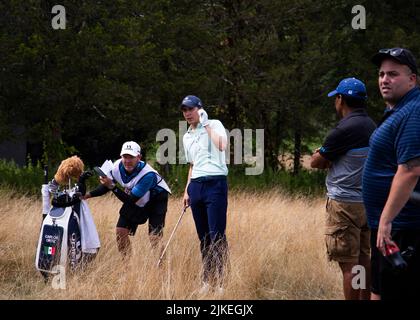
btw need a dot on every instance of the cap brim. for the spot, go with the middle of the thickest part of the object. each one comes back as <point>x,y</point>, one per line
<point>333,93</point>
<point>379,57</point>
<point>186,106</point>
<point>131,153</point>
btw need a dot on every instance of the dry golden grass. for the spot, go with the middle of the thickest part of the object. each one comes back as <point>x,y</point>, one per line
<point>276,252</point>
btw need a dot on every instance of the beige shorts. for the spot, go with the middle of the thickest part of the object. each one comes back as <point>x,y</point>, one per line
<point>347,235</point>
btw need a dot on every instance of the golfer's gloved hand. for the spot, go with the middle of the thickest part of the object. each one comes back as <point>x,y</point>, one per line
<point>85,175</point>
<point>204,118</point>
<point>53,186</point>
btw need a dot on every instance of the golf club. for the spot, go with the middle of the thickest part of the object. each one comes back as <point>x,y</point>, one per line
<point>46,183</point>
<point>172,234</point>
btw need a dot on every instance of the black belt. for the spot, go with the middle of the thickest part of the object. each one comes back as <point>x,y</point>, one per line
<point>208,178</point>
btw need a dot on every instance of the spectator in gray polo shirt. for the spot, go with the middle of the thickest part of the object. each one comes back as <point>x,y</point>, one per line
<point>343,153</point>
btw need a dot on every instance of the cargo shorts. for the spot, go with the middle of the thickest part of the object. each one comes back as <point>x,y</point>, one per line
<point>347,236</point>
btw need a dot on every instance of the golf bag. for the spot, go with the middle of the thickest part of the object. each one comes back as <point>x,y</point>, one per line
<point>68,232</point>
<point>60,240</point>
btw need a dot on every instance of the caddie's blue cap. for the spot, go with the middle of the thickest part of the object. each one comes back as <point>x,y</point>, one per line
<point>350,87</point>
<point>191,102</point>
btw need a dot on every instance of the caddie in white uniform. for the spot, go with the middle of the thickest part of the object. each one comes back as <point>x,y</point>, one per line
<point>144,196</point>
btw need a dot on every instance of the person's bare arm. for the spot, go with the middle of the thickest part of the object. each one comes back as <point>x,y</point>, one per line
<point>219,141</point>
<point>402,186</point>
<point>318,161</point>
<point>186,198</point>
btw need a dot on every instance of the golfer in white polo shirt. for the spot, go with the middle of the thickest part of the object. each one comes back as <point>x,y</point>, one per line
<point>206,190</point>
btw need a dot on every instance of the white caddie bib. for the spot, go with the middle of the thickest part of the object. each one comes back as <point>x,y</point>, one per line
<point>116,174</point>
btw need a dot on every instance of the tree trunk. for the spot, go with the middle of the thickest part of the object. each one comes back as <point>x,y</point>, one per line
<point>297,149</point>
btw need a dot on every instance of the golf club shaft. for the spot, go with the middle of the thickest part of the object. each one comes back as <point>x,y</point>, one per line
<point>45,182</point>
<point>172,234</point>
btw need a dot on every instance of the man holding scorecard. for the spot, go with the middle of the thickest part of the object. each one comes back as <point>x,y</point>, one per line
<point>144,195</point>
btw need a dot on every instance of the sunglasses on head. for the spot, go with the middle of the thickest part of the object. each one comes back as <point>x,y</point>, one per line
<point>395,52</point>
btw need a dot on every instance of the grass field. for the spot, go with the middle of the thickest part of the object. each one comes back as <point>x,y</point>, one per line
<point>276,252</point>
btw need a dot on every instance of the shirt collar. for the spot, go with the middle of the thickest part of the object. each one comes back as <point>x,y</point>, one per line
<point>407,97</point>
<point>127,177</point>
<point>355,112</point>
<point>191,130</point>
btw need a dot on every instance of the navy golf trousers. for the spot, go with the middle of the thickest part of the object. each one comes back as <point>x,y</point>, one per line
<point>208,200</point>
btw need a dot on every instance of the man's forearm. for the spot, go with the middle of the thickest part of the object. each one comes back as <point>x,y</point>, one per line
<point>188,178</point>
<point>99,191</point>
<point>319,162</point>
<point>402,186</point>
<point>124,197</point>
<point>219,141</point>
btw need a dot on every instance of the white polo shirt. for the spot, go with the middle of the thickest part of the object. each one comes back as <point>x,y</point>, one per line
<point>200,151</point>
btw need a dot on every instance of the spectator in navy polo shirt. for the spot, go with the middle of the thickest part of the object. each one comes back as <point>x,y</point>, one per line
<point>391,174</point>
<point>206,190</point>
<point>343,153</point>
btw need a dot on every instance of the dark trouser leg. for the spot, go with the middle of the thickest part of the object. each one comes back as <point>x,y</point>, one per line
<point>200,219</point>
<point>157,214</point>
<point>216,204</point>
<point>199,212</point>
<point>214,257</point>
<point>209,205</point>
<point>375,275</point>
<point>218,254</point>
<point>205,248</point>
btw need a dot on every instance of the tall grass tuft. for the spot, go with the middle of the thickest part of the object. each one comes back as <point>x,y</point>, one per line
<point>275,242</point>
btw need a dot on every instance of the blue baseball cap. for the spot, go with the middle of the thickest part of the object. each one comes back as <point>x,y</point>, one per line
<point>350,87</point>
<point>191,102</point>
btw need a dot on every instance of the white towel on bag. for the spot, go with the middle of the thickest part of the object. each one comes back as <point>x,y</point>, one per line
<point>88,232</point>
<point>46,205</point>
